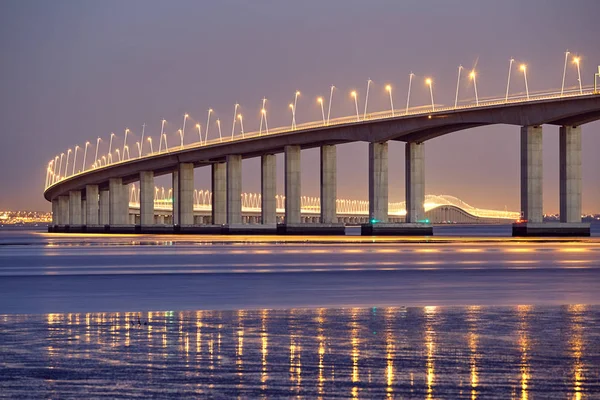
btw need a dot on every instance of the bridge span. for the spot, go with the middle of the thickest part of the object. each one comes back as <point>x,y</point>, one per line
<point>102,188</point>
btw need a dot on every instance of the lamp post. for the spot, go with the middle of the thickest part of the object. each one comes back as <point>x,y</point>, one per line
<point>367,98</point>
<point>180,137</point>
<point>210,110</point>
<point>55,165</point>
<point>126,151</point>
<point>293,122</point>
<point>105,159</point>
<point>562,88</point>
<point>139,147</point>
<point>219,126</point>
<point>142,139</point>
<point>329,106</point>
<point>87,144</point>
<point>185,117</point>
<point>151,149</point>
<point>125,142</point>
<point>67,164</point>
<point>410,78</point>
<point>472,76</point>
<point>320,101</point>
<point>74,160</point>
<point>576,61</point>
<point>112,135</point>
<point>97,147</point>
<point>355,96</point>
<point>118,154</point>
<point>460,68</point>
<point>388,88</point>
<point>166,145</point>
<point>199,133</point>
<point>241,124</point>
<point>162,134</point>
<point>234,119</point>
<point>264,114</point>
<point>512,60</point>
<point>429,82</point>
<point>524,69</point>
<point>295,104</point>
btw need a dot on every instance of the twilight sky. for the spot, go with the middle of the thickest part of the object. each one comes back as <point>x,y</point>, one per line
<point>75,70</point>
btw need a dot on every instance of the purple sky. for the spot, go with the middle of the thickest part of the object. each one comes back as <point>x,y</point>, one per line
<point>76,70</point>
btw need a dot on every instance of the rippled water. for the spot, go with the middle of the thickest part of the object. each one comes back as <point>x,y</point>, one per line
<point>431,352</point>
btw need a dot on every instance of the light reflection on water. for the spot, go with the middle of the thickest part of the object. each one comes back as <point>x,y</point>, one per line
<point>430,352</point>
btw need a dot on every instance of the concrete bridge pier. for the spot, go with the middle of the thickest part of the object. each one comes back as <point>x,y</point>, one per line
<point>175,196</point>
<point>118,202</point>
<point>219,193</point>
<point>146,199</point>
<point>63,210</point>
<point>83,212</point>
<point>292,184</point>
<point>268,189</point>
<point>91,205</point>
<point>328,184</point>
<point>532,185</point>
<point>55,211</point>
<point>234,190</point>
<point>104,207</point>
<point>75,208</point>
<point>185,197</point>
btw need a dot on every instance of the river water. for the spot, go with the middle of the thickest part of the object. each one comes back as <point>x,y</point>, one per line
<point>466,314</point>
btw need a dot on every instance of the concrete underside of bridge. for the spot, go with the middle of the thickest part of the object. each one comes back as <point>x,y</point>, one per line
<point>551,229</point>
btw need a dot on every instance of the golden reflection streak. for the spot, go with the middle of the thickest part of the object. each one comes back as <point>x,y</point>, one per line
<point>321,339</point>
<point>354,326</point>
<point>198,336</point>
<point>576,343</point>
<point>389,352</point>
<point>523,312</point>
<point>239,351</point>
<point>473,314</point>
<point>430,312</point>
<point>264,376</point>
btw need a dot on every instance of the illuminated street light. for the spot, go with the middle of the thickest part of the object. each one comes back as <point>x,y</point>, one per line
<point>199,133</point>
<point>524,69</point>
<point>388,88</point>
<point>353,94</point>
<point>139,147</point>
<point>97,147</point>
<point>295,104</point>
<point>320,101</point>
<point>263,115</point>
<point>562,88</point>
<point>142,139</point>
<point>241,124</point>
<point>292,108</point>
<point>105,160</point>
<point>125,142</point>
<point>166,145</point>
<point>576,61</point>
<point>162,134</point>
<point>472,76</point>
<point>429,82</point>
<point>367,98</point>
<point>54,173</point>
<point>210,110</point>
<point>410,78</point>
<point>87,144</point>
<point>219,126</point>
<point>126,150</point>
<point>460,68</point>
<point>112,135</point>
<point>180,132</point>
<point>185,117</point>
<point>329,106</point>
<point>118,154</point>
<point>512,60</point>
<point>234,119</point>
<point>67,164</point>
<point>151,149</point>
<point>74,160</point>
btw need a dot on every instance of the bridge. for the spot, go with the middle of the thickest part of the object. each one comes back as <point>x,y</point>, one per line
<point>99,190</point>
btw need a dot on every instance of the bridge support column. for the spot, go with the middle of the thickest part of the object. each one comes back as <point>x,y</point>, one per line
<point>55,211</point>
<point>185,198</point>
<point>292,184</point>
<point>234,189</point>
<point>146,198</point>
<point>83,212</point>
<point>268,188</point>
<point>75,207</point>
<point>104,207</point>
<point>531,174</point>
<point>219,193</point>
<point>415,182</point>
<point>91,205</point>
<point>63,210</point>
<point>378,182</point>
<point>570,174</point>
<point>175,196</point>
<point>328,184</point>
<point>117,204</point>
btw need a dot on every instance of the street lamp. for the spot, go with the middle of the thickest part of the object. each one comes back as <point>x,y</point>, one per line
<point>320,101</point>
<point>85,155</point>
<point>162,134</point>
<point>105,160</point>
<point>576,61</point>
<point>139,147</point>
<point>125,142</point>
<point>512,60</point>
<point>596,77</point>
<point>295,104</point>
<point>67,164</point>
<point>210,110</point>
<point>562,88</point>
<point>54,173</point>
<point>126,150</point>
<point>199,133</point>
<point>388,88</point>
<point>219,126</point>
<point>353,94</point>
<point>74,160</point>
<point>410,78</point>
<point>112,135</point>
<point>472,76</point>
<point>367,98</point>
<point>185,117</point>
<point>460,68</point>
<point>329,106</point>
<point>263,116</point>
<point>119,154</point>
<point>429,82</point>
<point>524,69</point>
<point>293,120</point>
<point>151,149</point>
<point>180,136</point>
<point>97,147</point>
<point>166,145</point>
<point>142,139</point>
<point>234,119</point>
